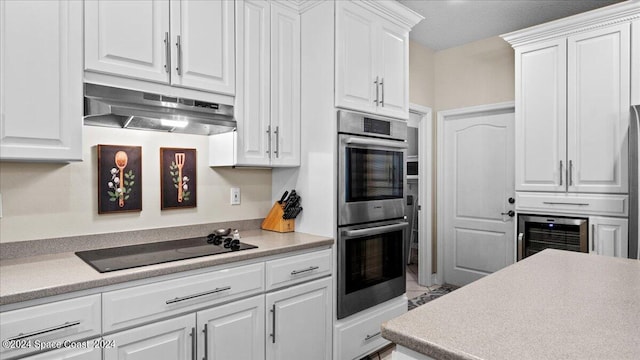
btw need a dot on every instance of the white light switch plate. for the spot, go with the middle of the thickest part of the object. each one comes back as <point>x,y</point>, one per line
<point>235,196</point>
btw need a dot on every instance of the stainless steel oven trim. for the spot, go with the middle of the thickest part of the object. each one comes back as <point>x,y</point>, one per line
<point>367,211</point>
<point>583,223</point>
<point>376,294</point>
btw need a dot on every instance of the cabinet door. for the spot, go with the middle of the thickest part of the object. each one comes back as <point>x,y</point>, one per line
<point>202,40</point>
<point>89,353</point>
<point>393,52</point>
<point>285,86</point>
<point>299,322</point>
<point>609,236</point>
<point>355,58</point>
<point>128,38</point>
<point>171,339</point>
<point>598,110</point>
<point>541,117</point>
<point>252,95</point>
<point>232,331</point>
<point>41,103</point>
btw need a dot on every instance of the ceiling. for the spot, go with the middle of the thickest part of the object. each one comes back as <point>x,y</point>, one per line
<point>450,23</point>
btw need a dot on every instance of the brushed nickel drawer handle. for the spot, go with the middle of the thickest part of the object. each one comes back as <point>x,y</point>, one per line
<point>178,299</point>
<point>44,331</point>
<point>369,337</point>
<point>311,268</point>
<point>564,203</point>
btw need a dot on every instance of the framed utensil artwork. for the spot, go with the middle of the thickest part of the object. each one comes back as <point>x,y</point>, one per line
<point>119,178</point>
<point>178,178</point>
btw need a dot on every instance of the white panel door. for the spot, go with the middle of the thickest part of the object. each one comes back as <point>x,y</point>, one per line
<point>598,110</point>
<point>355,58</point>
<point>541,117</point>
<point>90,353</point>
<point>41,103</point>
<point>232,331</point>
<point>285,86</point>
<point>394,71</point>
<point>164,340</point>
<point>203,49</point>
<point>609,236</point>
<point>252,109</point>
<point>299,322</point>
<point>128,38</point>
<point>478,181</point>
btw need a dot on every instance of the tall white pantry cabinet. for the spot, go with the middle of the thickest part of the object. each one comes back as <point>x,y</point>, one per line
<point>573,81</point>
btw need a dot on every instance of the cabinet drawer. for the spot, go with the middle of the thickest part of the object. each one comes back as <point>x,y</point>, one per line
<point>72,319</point>
<point>361,335</point>
<point>297,269</point>
<point>575,204</point>
<point>145,303</point>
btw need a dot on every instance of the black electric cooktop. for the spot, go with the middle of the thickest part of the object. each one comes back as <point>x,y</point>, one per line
<point>126,257</point>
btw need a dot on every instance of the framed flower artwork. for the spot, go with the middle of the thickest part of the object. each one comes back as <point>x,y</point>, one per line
<point>178,178</point>
<point>119,178</point>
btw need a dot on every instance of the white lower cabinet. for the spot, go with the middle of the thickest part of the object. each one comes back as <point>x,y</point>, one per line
<point>299,322</point>
<point>90,353</point>
<point>609,236</point>
<point>233,331</point>
<point>172,339</point>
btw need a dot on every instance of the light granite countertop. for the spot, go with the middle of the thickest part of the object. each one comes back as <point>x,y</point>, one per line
<point>553,305</point>
<point>40,276</point>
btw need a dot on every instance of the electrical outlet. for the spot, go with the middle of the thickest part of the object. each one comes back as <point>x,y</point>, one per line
<point>235,196</point>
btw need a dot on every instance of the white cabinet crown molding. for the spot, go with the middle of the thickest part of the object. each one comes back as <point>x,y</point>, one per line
<point>393,11</point>
<point>607,16</point>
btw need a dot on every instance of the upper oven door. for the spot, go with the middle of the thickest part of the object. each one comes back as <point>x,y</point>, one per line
<point>371,179</point>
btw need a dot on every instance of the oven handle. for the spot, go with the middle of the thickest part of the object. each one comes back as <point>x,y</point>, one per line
<point>375,230</point>
<point>377,142</point>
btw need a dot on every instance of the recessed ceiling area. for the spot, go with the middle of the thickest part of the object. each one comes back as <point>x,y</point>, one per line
<point>450,23</point>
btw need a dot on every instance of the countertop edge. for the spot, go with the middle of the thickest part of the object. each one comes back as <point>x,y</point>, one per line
<point>423,347</point>
<point>166,269</point>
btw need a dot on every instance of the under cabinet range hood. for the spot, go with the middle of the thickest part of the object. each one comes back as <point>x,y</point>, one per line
<point>130,109</point>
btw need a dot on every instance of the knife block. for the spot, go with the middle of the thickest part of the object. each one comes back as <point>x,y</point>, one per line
<point>275,222</point>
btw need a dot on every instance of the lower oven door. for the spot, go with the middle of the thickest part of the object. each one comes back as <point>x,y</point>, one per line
<point>371,265</point>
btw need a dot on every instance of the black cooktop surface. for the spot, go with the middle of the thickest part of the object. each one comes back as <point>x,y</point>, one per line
<point>126,257</point>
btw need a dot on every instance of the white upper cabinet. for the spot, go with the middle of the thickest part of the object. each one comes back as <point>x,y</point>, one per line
<point>41,104</point>
<point>267,103</point>
<point>203,40</point>
<point>372,59</point>
<point>573,92</point>
<point>541,116</point>
<point>128,38</point>
<point>598,110</point>
<point>185,43</point>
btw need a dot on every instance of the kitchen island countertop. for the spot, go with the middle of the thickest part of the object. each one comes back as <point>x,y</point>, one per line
<point>35,277</point>
<point>553,305</point>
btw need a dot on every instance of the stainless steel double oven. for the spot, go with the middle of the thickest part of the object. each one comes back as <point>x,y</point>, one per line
<point>371,224</point>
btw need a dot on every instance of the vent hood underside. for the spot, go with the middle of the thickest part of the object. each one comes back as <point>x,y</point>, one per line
<point>122,108</point>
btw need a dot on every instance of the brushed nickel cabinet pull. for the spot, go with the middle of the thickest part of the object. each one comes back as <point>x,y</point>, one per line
<point>188,297</point>
<point>570,172</point>
<point>179,54</point>
<point>369,337</point>
<point>273,324</point>
<point>167,56</point>
<point>376,84</point>
<point>44,331</point>
<point>564,203</point>
<point>311,268</point>
<point>382,100</point>
<point>277,132</point>
<point>593,237</point>
<point>561,172</point>
<point>269,138</point>
<point>206,341</point>
<point>193,343</point>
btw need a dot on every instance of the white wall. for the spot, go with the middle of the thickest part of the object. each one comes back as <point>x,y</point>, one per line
<point>55,200</point>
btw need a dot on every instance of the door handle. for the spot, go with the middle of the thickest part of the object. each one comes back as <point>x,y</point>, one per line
<point>561,172</point>
<point>382,100</point>
<point>520,245</point>
<point>376,230</point>
<point>277,151</point>
<point>510,213</point>
<point>167,55</point>
<point>570,172</point>
<point>376,84</point>
<point>269,137</point>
